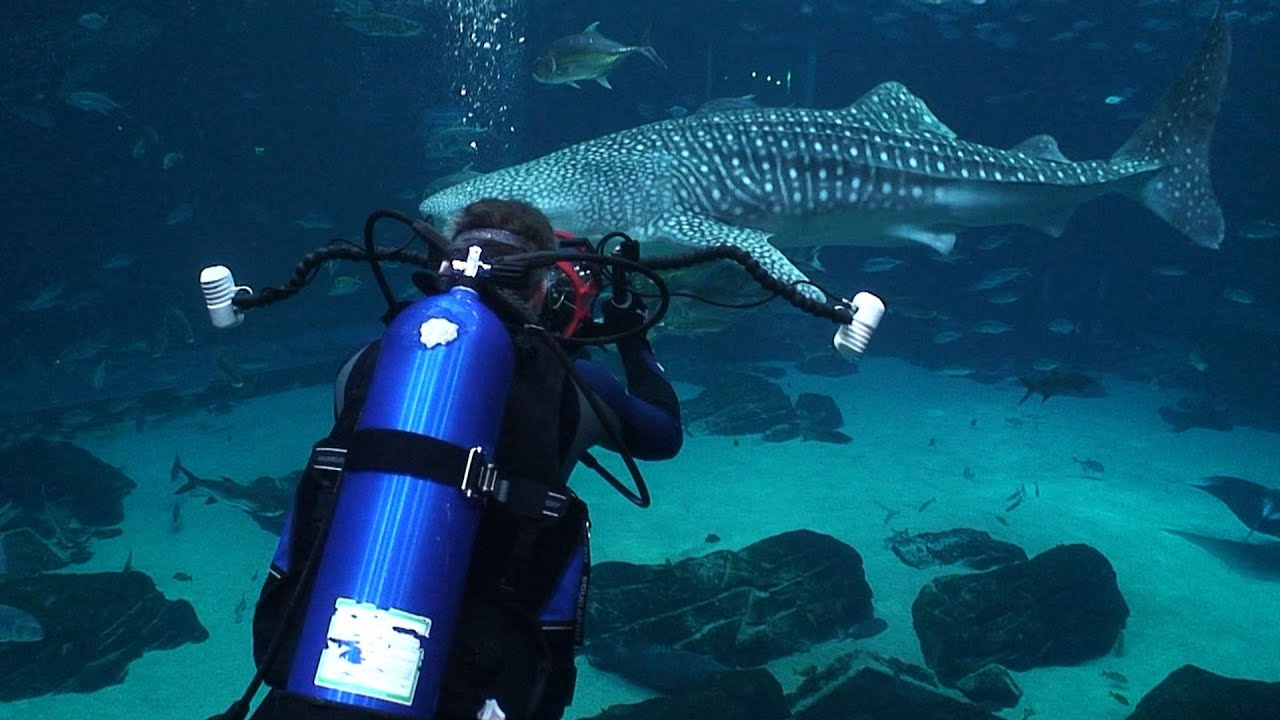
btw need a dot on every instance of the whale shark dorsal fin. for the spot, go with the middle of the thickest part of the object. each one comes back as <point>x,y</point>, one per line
<point>1043,147</point>
<point>890,106</point>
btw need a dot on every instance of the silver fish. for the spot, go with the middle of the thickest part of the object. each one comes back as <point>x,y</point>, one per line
<point>361,17</point>
<point>1062,326</point>
<point>92,102</point>
<point>1261,229</point>
<point>883,263</point>
<point>180,213</point>
<point>992,327</point>
<point>92,21</point>
<point>996,278</point>
<point>587,55</point>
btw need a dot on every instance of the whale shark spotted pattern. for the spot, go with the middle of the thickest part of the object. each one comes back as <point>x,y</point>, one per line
<point>882,172</point>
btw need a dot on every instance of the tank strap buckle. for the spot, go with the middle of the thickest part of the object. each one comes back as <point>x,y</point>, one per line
<point>528,498</point>
<point>328,459</point>
<point>479,477</point>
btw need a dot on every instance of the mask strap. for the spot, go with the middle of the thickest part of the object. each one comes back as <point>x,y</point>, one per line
<point>480,236</point>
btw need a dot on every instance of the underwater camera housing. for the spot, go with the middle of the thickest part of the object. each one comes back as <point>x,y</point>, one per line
<point>572,291</point>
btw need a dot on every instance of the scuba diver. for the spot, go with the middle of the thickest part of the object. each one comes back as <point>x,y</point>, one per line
<point>434,564</point>
<point>502,652</point>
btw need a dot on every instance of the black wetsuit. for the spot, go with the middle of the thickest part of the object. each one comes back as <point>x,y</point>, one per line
<point>501,649</point>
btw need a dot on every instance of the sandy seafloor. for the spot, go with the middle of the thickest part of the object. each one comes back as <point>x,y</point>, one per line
<point>1187,606</point>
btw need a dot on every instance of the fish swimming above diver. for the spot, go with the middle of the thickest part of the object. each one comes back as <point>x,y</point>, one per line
<point>1257,506</point>
<point>882,172</point>
<point>587,55</point>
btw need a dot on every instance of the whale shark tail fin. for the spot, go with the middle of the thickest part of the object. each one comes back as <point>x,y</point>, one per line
<point>1175,138</point>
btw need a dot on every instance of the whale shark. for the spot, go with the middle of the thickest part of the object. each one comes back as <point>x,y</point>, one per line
<point>884,171</point>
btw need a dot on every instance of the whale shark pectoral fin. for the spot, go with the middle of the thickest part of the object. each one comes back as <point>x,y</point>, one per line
<point>702,231</point>
<point>943,242</point>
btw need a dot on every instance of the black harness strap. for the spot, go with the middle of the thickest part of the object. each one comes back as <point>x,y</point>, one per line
<point>428,458</point>
<point>317,492</point>
<point>406,453</point>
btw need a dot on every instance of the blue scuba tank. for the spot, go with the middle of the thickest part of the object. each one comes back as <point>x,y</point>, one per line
<point>379,622</point>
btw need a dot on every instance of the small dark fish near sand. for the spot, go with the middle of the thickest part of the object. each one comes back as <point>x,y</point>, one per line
<point>1089,465</point>
<point>17,625</point>
<point>654,666</point>
<point>1060,382</point>
<point>1115,679</point>
<point>1015,498</point>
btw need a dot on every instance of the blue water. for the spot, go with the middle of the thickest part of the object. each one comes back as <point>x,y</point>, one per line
<point>248,133</point>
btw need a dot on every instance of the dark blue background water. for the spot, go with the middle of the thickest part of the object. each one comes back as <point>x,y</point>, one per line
<point>279,111</point>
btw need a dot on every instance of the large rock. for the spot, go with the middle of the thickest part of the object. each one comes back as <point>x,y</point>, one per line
<point>739,404</point>
<point>991,687</point>
<point>91,627</point>
<point>736,695</point>
<point>661,668</point>
<point>972,548</point>
<point>814,417</point>
<point>871,694</point>
<point>1192,693</point>
<point>24,553</point>
<point>731,609</point>
<point>58,495</point>
<point>1061,607</point>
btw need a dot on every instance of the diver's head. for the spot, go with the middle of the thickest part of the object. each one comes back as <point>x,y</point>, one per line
<point>508,227</point>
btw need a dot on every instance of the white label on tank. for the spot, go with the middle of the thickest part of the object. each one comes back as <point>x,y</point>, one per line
<point>437,331</point>
<point>373,652</point>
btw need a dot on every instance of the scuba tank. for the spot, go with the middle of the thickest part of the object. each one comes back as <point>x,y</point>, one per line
<point>378,624</point>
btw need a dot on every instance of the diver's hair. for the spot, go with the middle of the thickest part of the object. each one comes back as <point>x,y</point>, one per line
<point>513,216</point>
